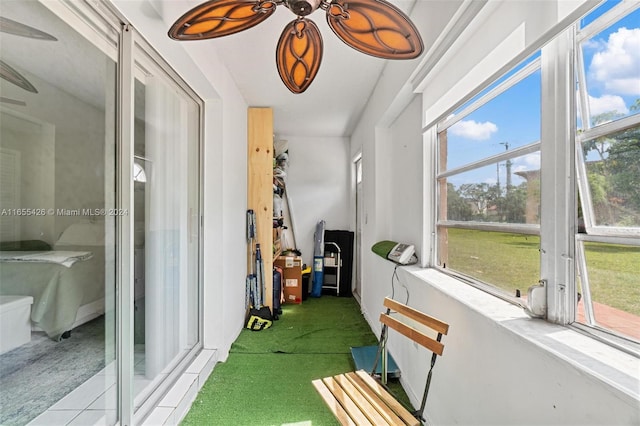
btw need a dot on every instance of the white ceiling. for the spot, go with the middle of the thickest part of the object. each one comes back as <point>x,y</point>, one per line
<point>330,106</point>
<point>335,99</point>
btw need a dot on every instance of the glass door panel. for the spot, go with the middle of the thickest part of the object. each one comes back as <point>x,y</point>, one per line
<point>57,222</point>
<point>166,212</point>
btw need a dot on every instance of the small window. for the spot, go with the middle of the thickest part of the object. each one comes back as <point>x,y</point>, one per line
<point>609,71</point>
<point>489,184</point>
<point>611,164</point>
<point>508,121</point>
<point>608,168</point>
<point>609,295</point>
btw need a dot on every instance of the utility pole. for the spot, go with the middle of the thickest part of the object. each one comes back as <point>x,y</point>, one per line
<point>506,148</point>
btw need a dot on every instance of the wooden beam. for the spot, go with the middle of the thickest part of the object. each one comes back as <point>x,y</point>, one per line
<point>260,187</point>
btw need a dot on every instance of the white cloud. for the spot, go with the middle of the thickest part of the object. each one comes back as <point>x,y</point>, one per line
<point>607,103</point>
<point>490,181</point>
<point>526,163</point>
<point>532,161</point>
<point>471,129</point>
<point>617,64</point>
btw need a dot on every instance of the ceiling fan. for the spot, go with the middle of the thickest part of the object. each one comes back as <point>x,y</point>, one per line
<point>374,27</point>
<point>8,73</point>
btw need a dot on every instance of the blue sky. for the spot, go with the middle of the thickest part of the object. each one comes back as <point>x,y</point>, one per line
<point>612,66</point>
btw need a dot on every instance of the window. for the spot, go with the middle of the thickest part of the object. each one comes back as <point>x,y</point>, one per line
<point>500,161</point>
<point>608,167</point>
<point>489,184</point>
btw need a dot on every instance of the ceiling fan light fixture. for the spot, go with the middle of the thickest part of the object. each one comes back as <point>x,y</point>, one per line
<point>375,27</point>
<point>303,7</point>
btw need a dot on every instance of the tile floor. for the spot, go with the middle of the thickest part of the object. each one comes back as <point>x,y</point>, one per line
<point>94,402</point>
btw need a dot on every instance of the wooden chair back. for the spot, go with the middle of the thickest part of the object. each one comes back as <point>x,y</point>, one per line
<point>434,345</point>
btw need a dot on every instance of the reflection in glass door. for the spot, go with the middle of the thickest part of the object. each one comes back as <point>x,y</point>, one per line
<point>57,197</point>
<point>166,212</point>
<point>359,226</point>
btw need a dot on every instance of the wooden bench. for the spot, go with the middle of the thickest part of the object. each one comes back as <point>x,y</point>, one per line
<point>357,398</point>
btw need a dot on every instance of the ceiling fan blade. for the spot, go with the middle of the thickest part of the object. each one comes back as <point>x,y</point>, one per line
<point>13,76</point>
<point>299,54</point>
<point>375,27</point>
<point>16,28</point>
<point>12,101</point>
<point>218,18</point>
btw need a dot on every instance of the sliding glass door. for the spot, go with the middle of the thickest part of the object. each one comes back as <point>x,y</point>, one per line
<point>99,227</point>
<point>58,216</point>
<point>166,223</point>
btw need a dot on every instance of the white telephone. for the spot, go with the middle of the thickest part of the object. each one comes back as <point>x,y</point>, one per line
<point>403,254</point>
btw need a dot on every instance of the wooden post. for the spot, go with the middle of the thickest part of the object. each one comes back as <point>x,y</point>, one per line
<point>260,187</point>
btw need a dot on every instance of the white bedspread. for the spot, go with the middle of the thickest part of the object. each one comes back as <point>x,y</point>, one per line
<point>64,258</point>
<point>60,281</point>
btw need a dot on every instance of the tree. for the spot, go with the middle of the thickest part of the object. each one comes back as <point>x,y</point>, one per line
<point>514,203</point>
<point>614,179</point>
<point>457,207</point>
<point>481,195</point>
<point>600,145</point>
<point>624,168</point>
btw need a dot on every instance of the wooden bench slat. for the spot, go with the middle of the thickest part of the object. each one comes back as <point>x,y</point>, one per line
<point>356,398</point>
<point>333,404</point>
<point>422,318</point>
<point>374,399</point>
<point>413,334</point>
<point>360,399</point>
<point>388,399</point>
<point>349,406</point>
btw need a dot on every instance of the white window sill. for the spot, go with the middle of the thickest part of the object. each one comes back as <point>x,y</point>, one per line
<point>603,362</point>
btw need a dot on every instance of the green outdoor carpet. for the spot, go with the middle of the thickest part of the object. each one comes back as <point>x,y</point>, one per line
<point>266,379</point>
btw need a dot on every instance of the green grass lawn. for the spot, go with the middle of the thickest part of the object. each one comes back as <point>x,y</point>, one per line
<point>614,275</point>
<point>508,261</point>
<point>512,261</point>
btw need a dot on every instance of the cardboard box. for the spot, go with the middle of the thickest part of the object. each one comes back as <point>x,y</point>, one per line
<point>291,277</point>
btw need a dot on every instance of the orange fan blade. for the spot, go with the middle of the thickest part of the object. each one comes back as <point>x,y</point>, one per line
<point>299,54</point>
<point>217,18</point>
<point>375,27</point>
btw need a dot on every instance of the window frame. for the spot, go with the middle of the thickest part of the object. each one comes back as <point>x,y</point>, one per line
<point>561,250</point>
<point>526,70</point>
<point>627,236</point>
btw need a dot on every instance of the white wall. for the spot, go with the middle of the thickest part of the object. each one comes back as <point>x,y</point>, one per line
<point>405,155</point>
<point>67,170</point>
<point>225,168</point>
<point>500,367</point>
<point>318,185</point>
<point>35,143</point>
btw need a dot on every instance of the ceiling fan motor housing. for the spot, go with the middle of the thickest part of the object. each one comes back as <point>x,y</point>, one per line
<point>303,7</point>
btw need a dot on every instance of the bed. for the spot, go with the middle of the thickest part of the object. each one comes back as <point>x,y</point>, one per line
<point>66,281</point>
